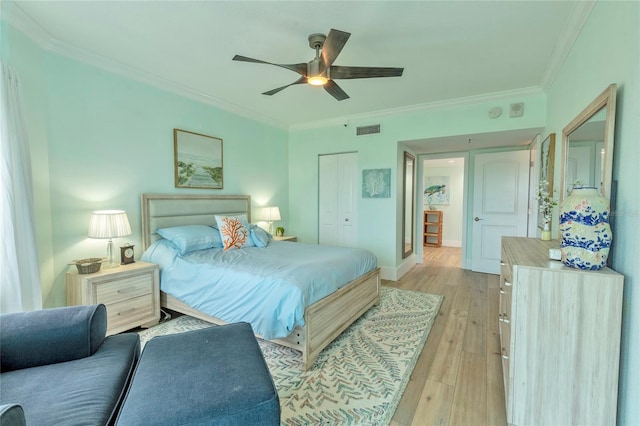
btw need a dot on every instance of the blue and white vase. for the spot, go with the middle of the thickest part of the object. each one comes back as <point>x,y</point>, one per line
<point>584,229</point>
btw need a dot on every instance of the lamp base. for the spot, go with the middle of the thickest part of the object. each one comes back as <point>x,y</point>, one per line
<point>110,261</point>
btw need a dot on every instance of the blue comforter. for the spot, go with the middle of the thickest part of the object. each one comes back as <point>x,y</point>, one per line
<point>268,287</point>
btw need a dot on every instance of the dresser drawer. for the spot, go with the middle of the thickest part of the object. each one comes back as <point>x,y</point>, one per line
<point>124,289</point>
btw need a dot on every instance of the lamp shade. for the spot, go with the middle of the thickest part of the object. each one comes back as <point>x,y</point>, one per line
<point>109,224</point>
<point>270,214</point>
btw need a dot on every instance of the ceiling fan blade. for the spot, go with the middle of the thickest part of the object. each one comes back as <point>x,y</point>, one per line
<point>299,68</point>
<point>332,47</point>
<point>340,72</point>
<point>301,80</point>
<point>334,90</point>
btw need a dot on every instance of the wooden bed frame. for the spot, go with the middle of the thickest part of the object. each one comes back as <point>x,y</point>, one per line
<point>324,320</point>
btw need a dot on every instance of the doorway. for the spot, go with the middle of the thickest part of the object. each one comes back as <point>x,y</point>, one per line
<point>441,186</point>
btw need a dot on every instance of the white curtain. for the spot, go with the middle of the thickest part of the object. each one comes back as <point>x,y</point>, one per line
<point>19,271</point>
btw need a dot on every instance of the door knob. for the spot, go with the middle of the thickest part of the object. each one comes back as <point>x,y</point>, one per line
<point>477,218</point>
<point>346,219</point>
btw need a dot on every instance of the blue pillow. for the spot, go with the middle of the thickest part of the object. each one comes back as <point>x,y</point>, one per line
<point>259,236</point>
<point>190,238</point>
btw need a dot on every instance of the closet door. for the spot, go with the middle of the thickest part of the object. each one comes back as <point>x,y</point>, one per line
<point>338,199</point>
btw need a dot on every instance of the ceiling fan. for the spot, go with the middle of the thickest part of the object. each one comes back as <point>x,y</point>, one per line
<point>320,71</point>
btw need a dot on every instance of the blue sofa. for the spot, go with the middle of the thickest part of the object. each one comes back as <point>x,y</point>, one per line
<point>58,366</point>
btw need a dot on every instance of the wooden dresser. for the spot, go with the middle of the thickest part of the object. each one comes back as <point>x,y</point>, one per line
<point>560,337</point>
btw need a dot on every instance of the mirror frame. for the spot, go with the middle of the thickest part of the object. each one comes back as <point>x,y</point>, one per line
<point>607,99</point>
<point>408,158</point>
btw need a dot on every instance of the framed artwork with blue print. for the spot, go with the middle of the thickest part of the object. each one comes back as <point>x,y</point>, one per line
<point>198,160</point>
<point>436,190</point>
<point>376,183</point>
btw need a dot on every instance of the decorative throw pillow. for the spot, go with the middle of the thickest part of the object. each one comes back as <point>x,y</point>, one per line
<point>190,238</point>
<point>234,231</point>
<point>259,236</point>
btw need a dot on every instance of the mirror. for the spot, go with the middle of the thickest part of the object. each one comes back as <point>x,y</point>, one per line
<point>407,204</point>
<point>587,146</point>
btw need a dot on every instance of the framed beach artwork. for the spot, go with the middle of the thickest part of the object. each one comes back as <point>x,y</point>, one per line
<point>198,160</point>
<point>376,183</point>
<point>437,190</point>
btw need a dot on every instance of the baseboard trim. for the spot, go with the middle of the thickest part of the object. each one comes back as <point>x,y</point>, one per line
<point>394,274</point>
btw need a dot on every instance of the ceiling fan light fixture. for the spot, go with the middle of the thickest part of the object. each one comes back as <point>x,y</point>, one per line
<point>317,80</point>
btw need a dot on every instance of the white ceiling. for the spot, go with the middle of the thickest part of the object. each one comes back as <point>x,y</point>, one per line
<point>450,50</point>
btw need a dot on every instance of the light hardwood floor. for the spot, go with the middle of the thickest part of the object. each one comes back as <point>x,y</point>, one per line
<point>458,377</point>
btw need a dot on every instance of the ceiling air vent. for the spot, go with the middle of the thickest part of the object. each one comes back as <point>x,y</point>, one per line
<point>368,130</point>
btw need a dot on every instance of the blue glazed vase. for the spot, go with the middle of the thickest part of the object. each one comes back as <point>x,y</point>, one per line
<point>584,229</point>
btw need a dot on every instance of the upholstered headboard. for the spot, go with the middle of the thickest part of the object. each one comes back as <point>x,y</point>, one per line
<point>164,210</point>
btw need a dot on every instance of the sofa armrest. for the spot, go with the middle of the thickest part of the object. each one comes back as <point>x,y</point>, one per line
<point>48,336</point>
<point>12,415</point>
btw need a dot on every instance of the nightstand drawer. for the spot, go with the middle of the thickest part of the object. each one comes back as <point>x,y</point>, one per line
<point>129,311</point>
<point>124,289</point>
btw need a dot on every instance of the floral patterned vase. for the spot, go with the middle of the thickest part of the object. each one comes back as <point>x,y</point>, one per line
<point>584,229</point>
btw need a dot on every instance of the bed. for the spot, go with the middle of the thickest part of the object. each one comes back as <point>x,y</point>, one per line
<point>324,319</point>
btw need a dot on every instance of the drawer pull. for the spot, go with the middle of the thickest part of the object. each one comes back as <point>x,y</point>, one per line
<point>504,354</point>
<point>505,319</point>
<point>500,317</point>
<point>128,311</point>
<point>502,263</point>
<point>505,357</point>
<point>127,290</point>
<point>502,291</point>
<point>507,284</point>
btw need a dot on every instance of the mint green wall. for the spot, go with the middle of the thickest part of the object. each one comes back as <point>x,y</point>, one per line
<point>109,139</point>
<point>607,51</point>
<point>380,219</point>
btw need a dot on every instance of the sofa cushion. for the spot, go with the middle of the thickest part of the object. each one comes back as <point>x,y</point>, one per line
<point>85,391</point>
<point>215,375</point>
<point>29,339</point>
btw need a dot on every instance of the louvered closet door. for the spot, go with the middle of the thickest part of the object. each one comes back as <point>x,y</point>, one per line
<point>337,202</point>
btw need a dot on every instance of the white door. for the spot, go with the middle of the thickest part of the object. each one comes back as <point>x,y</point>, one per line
<point>500,200</point>
<point>337,202</point>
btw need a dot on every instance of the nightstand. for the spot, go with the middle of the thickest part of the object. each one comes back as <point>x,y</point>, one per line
<point>286,238</point>
<point>131,294</point>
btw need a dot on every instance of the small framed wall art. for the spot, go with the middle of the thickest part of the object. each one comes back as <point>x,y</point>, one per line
<point>198,160</point>
<point>376,183</point>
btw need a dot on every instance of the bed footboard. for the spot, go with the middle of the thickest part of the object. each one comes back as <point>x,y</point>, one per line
<point>327,318</point>
<point>324,320</point>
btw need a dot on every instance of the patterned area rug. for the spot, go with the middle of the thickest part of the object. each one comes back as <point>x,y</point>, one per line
<point>360,377</point>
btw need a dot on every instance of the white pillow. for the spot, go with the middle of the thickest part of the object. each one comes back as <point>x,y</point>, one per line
<point>234,231</point>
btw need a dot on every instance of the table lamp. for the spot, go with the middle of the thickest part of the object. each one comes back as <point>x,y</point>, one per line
<point>109,224</point>
<point>269,214</point>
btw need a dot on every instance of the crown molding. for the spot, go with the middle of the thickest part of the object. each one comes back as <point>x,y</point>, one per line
<point>580,12</point>
<point>448,103</point>
<point>21,21</point>
<point>16,17</point>
<point>30,28</point>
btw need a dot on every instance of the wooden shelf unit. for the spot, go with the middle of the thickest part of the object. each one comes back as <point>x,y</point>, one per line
<point>432,228</point>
